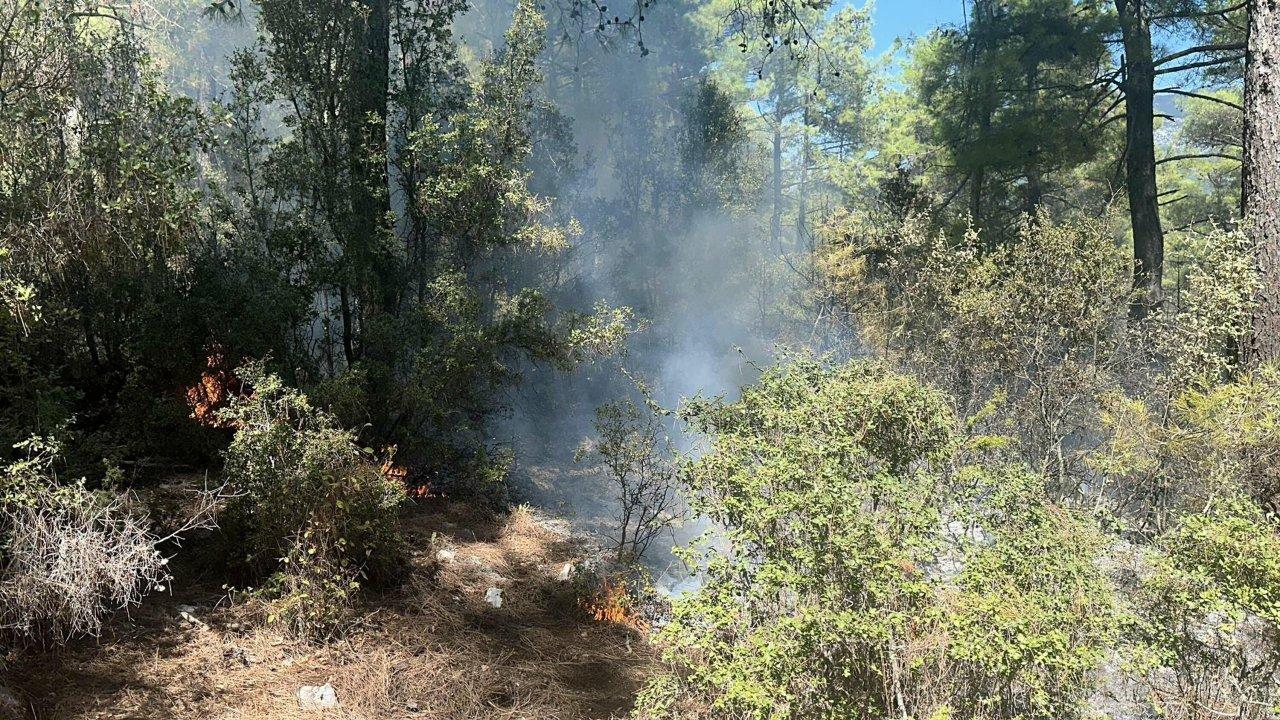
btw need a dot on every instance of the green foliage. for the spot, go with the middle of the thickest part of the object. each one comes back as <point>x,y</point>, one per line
<point>1209,317</point>
<point>1036,322</point>
<point>822,484</point>
<point>810,105</point>
<point>1204,588</point>
<point>31,478</point>
<point>1226,558</point>
<point>1203,186</point>
<point>98,209</point>
<point>312,594</point>
<point>636,455</point>
<point>309,505</point>
<point>1215,442</point>
<point>1012,101</point>
<point>860,575</point>
<point>426,321</point>
<point>1208,612</point>
<point>1034,617</point>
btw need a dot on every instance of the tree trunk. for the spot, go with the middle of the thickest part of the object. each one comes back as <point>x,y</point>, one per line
<point>984,104</point>
<point>775,221</point>
<point>1140,157</point>
<point>1035,178</point>
<point>1262,176</point>
<point>802,194</point>
<point>348,331</point>
<point>367,148</point>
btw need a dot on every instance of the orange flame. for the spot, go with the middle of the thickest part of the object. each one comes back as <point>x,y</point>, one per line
<point>400,474</point>
<point>612,604</point>
<point>212,392</point>
<point>393,471</point>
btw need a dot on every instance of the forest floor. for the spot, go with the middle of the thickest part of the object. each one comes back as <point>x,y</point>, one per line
<point>432,648</point>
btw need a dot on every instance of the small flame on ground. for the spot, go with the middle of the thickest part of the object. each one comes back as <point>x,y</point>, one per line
<point>612,604</point>
<point>400,474</point>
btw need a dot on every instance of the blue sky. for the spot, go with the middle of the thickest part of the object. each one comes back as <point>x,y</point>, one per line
<point>895,18</point>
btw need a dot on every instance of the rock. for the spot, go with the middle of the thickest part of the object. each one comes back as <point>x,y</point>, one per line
<point>186,609</point>
<point>566,573</point>
<point>446,555</point>
<point>237,654</point>
<point>317,697</point>
<point>493,596</point>
<point>191,620</point>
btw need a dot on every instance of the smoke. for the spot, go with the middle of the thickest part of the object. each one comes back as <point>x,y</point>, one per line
<point>672,228</point>
<point>668,194</point>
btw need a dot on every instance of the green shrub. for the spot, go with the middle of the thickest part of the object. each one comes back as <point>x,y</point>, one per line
<point>1205,591</point>
<point>1207,615</point>
<point>1033,617</point>
<point>306,492</point>
<point>314,589</point>
<point>635,455</point>
<point>859,573</point>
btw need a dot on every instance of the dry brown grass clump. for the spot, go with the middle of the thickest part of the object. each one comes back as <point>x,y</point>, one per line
<point>432,650</point>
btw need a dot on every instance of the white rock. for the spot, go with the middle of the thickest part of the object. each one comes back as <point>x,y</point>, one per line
<point>566,572</point>
<point>321,697</point>
<point>191,620</point>
<point>493,596</point>
<point>446,555</point>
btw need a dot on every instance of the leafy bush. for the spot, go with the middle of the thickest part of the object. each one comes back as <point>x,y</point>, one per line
<point>637,457</point>
<point>306,492</point>
<point>1207,615</point>
<point>1033,618</point>
<point>1205,636</point>
<point>313,591</point>
<point>1203,327</point>
<point>1037,322</point>
<point>861,574</point>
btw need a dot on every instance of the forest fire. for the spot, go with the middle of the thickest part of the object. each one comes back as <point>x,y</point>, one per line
<point>212,392</point>
<point>613,604</point>
<point>400,474</point>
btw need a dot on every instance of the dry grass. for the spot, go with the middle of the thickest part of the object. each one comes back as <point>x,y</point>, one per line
<point>432,650</point>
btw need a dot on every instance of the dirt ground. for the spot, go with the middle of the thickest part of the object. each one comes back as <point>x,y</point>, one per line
<point>430,649</point>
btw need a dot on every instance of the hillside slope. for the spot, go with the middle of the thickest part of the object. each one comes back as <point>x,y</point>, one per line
<point>430,649</point>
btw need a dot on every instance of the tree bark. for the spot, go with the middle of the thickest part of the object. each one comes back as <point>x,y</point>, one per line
<point>802,194</point>
<point>775,220</point>
<point>1262,173</point>
<point>348,329</point>
<point>984,101</point>
<point>1035,178</point>
<point>367,148</point>
<point>1140,157</point>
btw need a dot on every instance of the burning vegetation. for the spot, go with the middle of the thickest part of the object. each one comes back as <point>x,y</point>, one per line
<point>216,386</point>
<point>412,487</point>
<point>613,603</point>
